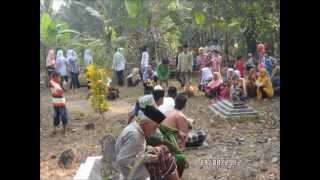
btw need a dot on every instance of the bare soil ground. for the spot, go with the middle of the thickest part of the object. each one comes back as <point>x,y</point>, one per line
<point>255,145</point>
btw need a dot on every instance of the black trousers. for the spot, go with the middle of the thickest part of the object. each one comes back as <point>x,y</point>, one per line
<point>120,77</point>
<point>74,81</point>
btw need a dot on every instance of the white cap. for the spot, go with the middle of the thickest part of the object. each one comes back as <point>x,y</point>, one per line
<point>157,87</point>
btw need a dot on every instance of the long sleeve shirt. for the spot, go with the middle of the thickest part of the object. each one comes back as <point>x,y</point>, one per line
<point>61,66</point>
<point>206,75</point>
<point>185,62</point>
<point>118,62</point>
<point>147,75</point>
<point>130,143</point>
<point>144,60</point>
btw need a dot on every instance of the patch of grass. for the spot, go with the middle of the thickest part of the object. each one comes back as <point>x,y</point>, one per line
<point>77,115</point>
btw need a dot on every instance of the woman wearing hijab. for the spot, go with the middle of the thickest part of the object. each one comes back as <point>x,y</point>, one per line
<point>216,62</point>
<point>238,90</point>
<point>73,68</point>
<point>212,88</point>
<point>201,62</point>
<point>50,62</point>
<point>87,61</point>
<point>264,85</point>
<point>87,58</point>
<point>206,76</point>
<point>224,88</point>
<point>61,67</point>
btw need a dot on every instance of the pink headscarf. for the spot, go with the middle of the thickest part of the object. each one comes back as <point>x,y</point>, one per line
<point>215,83</point>
<point>50,58</point>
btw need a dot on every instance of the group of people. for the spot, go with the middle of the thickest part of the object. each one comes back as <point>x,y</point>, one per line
<point>158,131</point>
<point>67,67</point>
<point>145,74</point>
<point>242,81</point>
<point>59,69</point>
<point>158,128</point>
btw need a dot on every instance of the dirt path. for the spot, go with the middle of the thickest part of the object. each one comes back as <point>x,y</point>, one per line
<point>255,145</point>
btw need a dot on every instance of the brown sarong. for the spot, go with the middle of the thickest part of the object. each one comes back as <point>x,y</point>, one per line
<point>165,166</point>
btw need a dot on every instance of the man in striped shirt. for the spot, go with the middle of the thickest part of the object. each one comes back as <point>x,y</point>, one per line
<point>59,103</point>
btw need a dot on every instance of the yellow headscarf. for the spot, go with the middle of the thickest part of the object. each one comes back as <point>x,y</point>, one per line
<point>264,80</point>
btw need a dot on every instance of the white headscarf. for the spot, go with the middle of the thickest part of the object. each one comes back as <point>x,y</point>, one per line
<point>87,57</point>
<point>157,87</point>
<point>59,54</point>
<point>120,50</point>
<point>237,72</point>
<point>61,63</point>
<point>70,55</point>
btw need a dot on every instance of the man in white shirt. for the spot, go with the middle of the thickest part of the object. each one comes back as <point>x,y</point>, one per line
<point>168,102</point>
<point>144,59</point>
<point>119,65</point>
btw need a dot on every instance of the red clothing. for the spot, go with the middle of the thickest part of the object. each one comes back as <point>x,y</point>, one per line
<point>239,65</point>
<point>58,100</point>
<point>201,63</point>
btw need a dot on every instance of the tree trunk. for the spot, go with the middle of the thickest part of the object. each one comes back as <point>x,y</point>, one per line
<point>226,48</point>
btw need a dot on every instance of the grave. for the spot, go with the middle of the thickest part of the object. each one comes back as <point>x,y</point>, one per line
<point>233,110</point>
<point>98,167</point>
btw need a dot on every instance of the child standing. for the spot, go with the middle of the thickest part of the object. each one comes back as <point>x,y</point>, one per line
<point>59,103</point>
<point>239,65</point>
<point>163,72</point>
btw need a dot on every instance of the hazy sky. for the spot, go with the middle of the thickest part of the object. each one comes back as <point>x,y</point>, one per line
<point>57,4</point>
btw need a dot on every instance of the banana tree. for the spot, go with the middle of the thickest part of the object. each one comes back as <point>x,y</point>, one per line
<point>53,34</point>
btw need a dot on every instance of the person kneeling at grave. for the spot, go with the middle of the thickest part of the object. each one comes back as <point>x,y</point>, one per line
<point>238,88</point>
<point>251,83</point>
<point>264,85</point>
<point>138,160</point>
<point>149,79</point>
<point>175,134</point>
<point>206,76</point>
<point>177,123</point>
<point>133,78</point>
<point>212,89</point>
